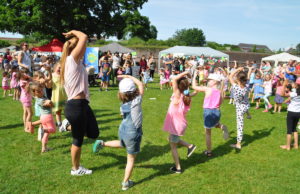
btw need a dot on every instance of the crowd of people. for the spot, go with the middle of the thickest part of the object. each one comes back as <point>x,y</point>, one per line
<point>63,85</point>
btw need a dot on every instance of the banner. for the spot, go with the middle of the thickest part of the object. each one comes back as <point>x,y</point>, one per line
<point>91,57</point>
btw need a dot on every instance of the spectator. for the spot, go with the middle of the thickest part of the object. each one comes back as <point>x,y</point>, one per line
<point>168,61</point>
<point>116,60</point>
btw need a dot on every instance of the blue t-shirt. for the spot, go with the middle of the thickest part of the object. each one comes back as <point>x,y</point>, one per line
<point>290,76</point>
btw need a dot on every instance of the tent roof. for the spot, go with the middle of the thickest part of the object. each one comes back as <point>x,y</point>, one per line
<point>12,48</point>
<point>282,57</point>
<point>54,46</point>
<point>115,47</point>
<point>197,51</point>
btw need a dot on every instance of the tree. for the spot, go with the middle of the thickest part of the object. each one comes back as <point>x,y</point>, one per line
<point>138,26</point>
<point>190,37</point>
<point>4,43</point>
<point>52,17</point>
<point>298,49</point>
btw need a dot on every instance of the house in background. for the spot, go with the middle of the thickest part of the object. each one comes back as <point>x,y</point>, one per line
<point>254,48</point>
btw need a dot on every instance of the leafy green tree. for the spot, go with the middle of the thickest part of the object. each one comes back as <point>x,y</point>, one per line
<point>138,26</point>
<point>298,49</point>
<point>190,37</point>
<point>52,17</point>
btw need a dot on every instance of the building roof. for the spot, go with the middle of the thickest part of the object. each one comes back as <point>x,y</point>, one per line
<point>250,46</point>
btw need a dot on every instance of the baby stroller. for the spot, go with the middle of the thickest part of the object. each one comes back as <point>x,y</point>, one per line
<point>91,76</point>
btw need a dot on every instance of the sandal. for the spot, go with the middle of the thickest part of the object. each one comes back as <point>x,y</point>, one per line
<point>235,146</point>
<point>208,153</point>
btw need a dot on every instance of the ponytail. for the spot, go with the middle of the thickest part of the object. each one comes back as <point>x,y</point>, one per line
<point>65,53</point>
<point>187,100</point>
<point>67,49</point>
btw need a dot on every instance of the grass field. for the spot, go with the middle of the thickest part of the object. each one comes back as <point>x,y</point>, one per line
<point>261,166</point>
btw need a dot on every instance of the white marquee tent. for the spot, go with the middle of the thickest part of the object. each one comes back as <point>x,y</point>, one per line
<point>193,51</point>
<point>282,57</point>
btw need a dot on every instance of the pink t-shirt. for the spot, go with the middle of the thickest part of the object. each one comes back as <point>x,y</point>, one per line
<point>175,122</point>
<point>214,100</point>
<point>5,82</point>
<point>25,96</point>
<point>167,74</point>
<point>279,90</point>
<point>76,79</point>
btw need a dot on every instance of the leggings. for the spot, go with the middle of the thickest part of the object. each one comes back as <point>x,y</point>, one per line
<point>152,73</point>
<point>48,124</point>
<point>292,120</point>
<point>241,109</point>
<point>82,120</point>
<point>266,99</point>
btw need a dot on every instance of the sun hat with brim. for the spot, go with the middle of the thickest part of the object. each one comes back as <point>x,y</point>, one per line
<point>215,77</point>
<point>127,85</point>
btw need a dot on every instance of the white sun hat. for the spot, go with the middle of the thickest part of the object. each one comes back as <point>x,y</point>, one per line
<point>215,77</point>
<point>127,85</point>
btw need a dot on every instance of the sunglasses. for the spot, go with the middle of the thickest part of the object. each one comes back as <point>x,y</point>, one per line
<point>25,45</point>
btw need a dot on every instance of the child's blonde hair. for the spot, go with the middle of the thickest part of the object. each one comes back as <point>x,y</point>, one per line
<point>34,86</point>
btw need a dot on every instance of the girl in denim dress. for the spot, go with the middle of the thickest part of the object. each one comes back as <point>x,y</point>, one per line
<point>130,130</point>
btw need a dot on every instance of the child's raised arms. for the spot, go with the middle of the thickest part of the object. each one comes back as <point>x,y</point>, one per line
<point>175,79</point>
<point>233,74</point>
<point>136,81</point>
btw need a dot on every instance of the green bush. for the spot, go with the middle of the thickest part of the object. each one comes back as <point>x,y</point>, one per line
<point>4,43</point>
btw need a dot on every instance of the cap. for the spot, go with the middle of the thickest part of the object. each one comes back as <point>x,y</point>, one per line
<point>215,77</point>
<point>126,85</point>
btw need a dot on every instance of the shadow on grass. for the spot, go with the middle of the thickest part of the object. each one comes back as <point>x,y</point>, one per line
<point>196,158</point>
<point>108,120</point>
<point>63,135</point>
<point>12,126</point>
<point>143,156</point>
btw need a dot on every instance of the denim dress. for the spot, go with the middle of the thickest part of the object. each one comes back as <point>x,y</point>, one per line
<point>130,130</point>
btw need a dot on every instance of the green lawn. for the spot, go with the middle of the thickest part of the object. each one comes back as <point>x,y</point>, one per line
<point>261,166</point>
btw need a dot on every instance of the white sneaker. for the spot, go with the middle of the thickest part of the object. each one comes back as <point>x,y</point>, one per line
<point>81,171</point>
<point>64,125</point>
<point>225,132</point>
<point>40,133</point>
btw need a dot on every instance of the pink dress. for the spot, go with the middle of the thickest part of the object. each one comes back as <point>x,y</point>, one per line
<point>175,122</point>
<point>25,97</point>
<point>5,84</point>
<point>14,82</point>
<point>167,75</point>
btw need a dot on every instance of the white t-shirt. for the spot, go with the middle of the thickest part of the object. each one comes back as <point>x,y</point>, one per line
<point>76,79</point>
<point>268,87</point>
<point>116,62</point>
<point>294,106</point>
<point>201,62</point>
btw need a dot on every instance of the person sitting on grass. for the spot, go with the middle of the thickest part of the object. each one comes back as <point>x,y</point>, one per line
<point>175,123</point>
<point>130,130</point>
<point>293,115</point>
<point>212,103</point>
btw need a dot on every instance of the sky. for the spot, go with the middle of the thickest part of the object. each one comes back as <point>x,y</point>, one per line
<point>275,23</point>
